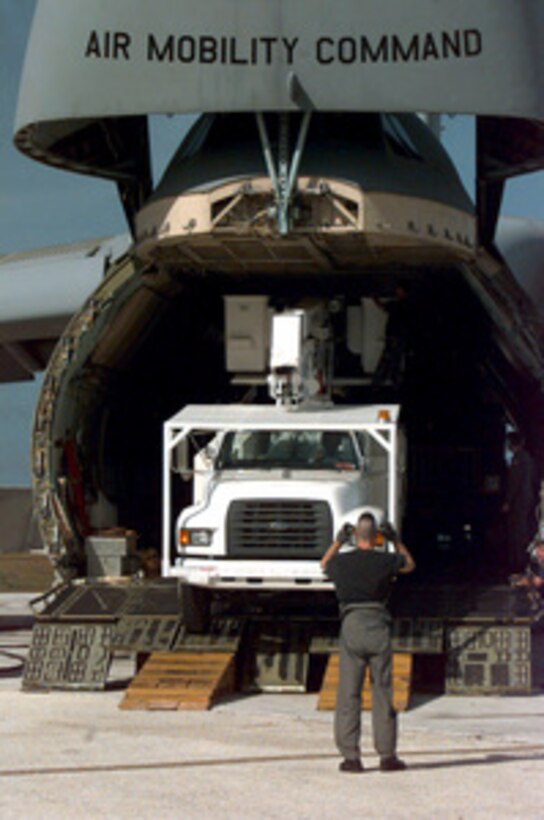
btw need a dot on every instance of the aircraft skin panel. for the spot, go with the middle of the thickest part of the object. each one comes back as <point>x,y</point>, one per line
<point>125,58</point>
<point>342,230</point>
<point>94,71</point>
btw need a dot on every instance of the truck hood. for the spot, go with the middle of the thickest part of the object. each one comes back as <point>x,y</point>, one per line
<point>344,490</point>
<point>345,493</point>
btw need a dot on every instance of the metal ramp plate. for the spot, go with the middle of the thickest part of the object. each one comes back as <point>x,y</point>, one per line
<point>276,657</point>
<point>68,656</point>
<point>96,599</point>
<point>85,601</point>
<point>145,634</point>
<point>418,635</point>
<point>224,635</point>
<point>414,635</point>
<point>402,679</point>
<point>489,659</point>
<point>181,680</point>
<point>153,598</point>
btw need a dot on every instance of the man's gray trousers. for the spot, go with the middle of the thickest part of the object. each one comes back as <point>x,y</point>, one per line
<point>365,640</point>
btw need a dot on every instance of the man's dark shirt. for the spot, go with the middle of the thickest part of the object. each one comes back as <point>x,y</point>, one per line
<point>364,576</point>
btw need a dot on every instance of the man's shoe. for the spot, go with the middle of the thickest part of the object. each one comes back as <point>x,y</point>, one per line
<point>351,765</point>
<point>392,764</point>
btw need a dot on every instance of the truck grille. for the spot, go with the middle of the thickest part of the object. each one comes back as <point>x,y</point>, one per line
<point>278,529</point>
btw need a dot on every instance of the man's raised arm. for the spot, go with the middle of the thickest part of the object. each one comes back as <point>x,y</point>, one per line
<point>401,549</point>
<point>333,549</point>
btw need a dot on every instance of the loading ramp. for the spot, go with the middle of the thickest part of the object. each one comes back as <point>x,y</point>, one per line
<point>181,680</point>
<point>483,637</point>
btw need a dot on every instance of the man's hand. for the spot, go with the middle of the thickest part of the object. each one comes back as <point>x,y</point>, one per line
<point>389,532</point>
<point>342,537</point>
<point>344,534</point>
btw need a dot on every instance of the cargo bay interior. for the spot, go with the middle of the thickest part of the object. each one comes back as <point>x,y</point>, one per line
<point>141,362</point>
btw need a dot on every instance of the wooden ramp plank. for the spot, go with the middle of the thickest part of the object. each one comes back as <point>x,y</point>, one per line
<point>181,680</point>
<point>402,680</point>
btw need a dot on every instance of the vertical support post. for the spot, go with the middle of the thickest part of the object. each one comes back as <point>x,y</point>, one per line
<point>393,476</point>
<point>166,503</point>
<point>386,436</point>
<point>283,175</point>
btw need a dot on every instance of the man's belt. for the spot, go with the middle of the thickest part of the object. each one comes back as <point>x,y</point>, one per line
<point>376,605</point>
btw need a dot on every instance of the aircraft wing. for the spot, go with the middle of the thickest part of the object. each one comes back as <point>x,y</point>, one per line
<point>39,292</point>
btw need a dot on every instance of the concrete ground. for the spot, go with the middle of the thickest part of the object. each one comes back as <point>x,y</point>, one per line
<point>28,571</point>
<point>67,755</point>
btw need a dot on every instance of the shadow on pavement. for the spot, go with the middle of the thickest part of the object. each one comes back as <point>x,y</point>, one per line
<point>492,758</point>
<point>11,663</point>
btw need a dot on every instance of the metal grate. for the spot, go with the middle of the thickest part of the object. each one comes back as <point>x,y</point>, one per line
<point>278,528</point>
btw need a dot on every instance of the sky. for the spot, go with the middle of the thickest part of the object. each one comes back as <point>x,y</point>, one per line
<point>41,206</point>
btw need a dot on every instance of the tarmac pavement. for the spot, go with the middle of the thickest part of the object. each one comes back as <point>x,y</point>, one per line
<point>75,754</point>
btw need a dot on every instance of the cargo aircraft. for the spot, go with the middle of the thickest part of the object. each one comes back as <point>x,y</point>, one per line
<point>310,172</point>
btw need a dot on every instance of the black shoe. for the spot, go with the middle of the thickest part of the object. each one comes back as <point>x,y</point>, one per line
<point>392,764</point>
<point>351,765</point>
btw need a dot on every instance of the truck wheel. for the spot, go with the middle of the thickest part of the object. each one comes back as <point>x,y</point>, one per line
<point>195,604</point>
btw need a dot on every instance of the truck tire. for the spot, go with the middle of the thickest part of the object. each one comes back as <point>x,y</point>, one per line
<point>195,603</point>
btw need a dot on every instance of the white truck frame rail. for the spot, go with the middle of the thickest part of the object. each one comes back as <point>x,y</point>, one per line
<point>379,421</point>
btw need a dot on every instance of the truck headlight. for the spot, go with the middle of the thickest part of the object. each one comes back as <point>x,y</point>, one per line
<point>195,538</point>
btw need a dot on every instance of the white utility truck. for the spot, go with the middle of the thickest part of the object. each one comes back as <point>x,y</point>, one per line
<point>269,485</point>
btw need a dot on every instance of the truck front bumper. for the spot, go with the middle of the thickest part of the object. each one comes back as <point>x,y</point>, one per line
<point>228,573</point>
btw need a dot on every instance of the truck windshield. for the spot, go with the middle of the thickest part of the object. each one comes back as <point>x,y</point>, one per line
<point>294,449</point>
